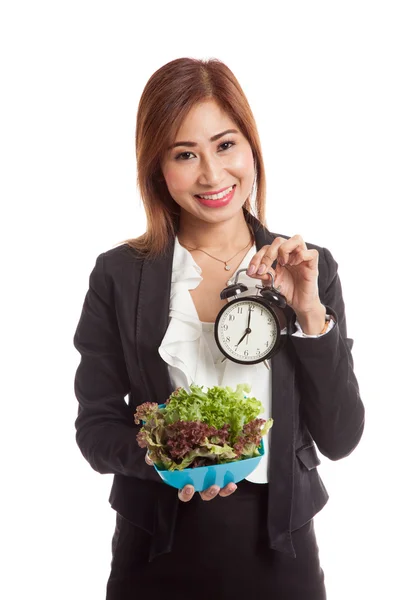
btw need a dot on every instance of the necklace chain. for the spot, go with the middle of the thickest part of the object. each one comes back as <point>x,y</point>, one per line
<point>227,267</point>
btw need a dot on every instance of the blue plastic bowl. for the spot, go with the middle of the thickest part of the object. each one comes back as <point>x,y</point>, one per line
<point>203,477</point>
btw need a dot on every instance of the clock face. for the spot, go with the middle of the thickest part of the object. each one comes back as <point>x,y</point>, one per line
<point>246,331</point>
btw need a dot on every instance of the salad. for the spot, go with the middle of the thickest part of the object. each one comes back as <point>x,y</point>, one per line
<point>200,428</point>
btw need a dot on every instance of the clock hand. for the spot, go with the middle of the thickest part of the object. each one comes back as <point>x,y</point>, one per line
<point>248,330</point>
<point>248,325</point>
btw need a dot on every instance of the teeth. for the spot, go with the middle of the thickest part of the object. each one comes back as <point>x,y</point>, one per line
<point>217,196</point>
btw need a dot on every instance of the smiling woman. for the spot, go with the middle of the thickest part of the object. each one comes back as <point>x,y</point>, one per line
<point>196,136</point>
<point>143,332</point>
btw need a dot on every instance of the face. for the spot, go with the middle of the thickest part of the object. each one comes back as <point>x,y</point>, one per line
<point>200,164</point>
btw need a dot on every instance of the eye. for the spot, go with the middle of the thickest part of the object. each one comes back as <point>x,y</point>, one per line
<point>227,142</point>
<point>181,154</point>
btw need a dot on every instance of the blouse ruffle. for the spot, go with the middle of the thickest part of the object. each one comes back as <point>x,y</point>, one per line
<point>184,347</point>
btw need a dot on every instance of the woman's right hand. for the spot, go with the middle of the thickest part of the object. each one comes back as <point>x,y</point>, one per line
<point>188,492</point>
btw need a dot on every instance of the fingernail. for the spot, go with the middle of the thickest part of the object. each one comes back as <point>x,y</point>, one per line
<point>281,262</point>
<point>188,491</point>
<point>261,269</point>
<point>232,488</point>
<point>251,270</point>
<point>213,491</point>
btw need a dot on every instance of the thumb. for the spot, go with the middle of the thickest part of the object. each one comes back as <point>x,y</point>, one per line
<point>148,459</point>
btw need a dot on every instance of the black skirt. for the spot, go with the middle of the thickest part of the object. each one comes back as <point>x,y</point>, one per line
<point>218,552</point>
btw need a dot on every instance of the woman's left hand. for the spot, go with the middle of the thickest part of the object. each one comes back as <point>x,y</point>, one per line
<point>297,276</point>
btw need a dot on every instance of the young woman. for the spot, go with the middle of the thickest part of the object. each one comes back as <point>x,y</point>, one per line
<point>147,327</point>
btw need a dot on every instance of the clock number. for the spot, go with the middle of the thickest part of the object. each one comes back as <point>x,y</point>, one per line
<point>231,317</point>
<point>228,339</point>
<point>258,351</point>
<point>240,310</point>
<point>225,327</point>
<point>246,352</point>
<point>267,344</point>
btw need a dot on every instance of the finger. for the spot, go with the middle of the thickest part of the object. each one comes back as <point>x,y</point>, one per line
<point>186,493</point>
<point>290,247</point>
<point>264,258</point>
<point>266,277</point>
<point>280,250</point>
<point>228,490</point>
<point>148,460</point>
<point>255,263</point>
<point>210,492</point>
<point>303,256</point>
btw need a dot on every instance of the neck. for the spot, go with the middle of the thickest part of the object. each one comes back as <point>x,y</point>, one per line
<point>227,236</point>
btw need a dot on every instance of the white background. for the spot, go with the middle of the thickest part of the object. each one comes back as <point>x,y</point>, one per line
<point>322,79</point>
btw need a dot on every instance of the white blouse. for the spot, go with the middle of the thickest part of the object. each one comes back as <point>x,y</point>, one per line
<point>192,354</point>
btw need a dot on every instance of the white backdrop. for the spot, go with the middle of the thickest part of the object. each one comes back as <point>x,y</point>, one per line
<point>322,79</point>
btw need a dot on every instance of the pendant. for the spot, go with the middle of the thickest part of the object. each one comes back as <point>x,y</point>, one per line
<point>227,268</point>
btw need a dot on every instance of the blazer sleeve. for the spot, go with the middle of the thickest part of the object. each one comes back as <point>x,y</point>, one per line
<point>105,428</point>
<point>330,399</point>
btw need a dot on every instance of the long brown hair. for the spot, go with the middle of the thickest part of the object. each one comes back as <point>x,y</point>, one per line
<point>167,98</point>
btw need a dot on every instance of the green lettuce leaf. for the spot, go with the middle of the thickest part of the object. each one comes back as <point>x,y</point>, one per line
<point>174,444</point>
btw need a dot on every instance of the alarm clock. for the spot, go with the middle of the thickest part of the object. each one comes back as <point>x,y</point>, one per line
<point>247,330</point>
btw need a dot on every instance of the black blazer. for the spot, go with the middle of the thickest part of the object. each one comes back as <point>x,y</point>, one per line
<point>315,394</point>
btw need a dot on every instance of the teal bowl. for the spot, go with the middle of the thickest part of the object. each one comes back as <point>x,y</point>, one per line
<point>202,478</point>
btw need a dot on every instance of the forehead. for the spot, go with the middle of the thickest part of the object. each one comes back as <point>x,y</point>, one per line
<point>205,118</point>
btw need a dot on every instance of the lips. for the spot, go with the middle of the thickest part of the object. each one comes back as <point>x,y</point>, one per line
<point>219,202</point>
<point>208,195</point>
<point>215,191</point>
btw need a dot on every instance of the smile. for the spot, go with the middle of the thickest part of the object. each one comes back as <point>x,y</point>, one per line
<point>216,196</point>
<point>217,200</point>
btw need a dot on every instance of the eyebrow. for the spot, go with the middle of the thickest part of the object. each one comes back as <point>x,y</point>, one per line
<point>212,139</point>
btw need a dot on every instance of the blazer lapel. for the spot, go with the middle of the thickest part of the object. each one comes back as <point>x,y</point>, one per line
<point>152,323</point>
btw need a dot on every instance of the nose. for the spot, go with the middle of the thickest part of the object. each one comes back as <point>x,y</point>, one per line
<point>211,170</point>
